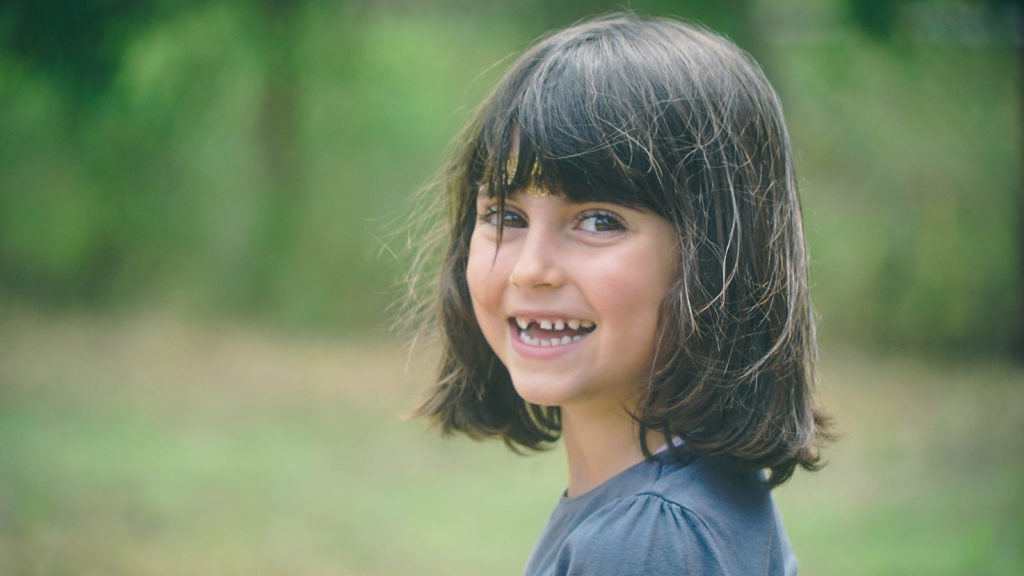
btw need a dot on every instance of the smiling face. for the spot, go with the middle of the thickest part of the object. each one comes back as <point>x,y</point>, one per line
<point>569,300</point>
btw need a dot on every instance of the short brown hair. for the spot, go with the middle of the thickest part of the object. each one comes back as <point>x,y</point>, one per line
<point>662,115</point>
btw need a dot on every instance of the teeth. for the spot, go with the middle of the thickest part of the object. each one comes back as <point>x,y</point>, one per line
<point>524,323</point>
<point>547,343</point>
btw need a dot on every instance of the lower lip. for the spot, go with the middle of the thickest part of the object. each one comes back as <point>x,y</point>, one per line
<point>531,351</point>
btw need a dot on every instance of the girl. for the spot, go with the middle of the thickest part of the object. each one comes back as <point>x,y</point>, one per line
<point>625,268</point>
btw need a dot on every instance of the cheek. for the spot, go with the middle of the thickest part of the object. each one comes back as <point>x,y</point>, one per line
<point>630,291</point>
<point>481,276</point>
<point>633,276</point>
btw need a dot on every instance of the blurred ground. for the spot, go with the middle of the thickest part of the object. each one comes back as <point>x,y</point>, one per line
<point>150,445</point>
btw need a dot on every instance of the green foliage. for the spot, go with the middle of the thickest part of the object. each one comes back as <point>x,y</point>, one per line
<point>909,165</point>
<point>243,160</point>
<point>159,191</point>
<point>78,41</point>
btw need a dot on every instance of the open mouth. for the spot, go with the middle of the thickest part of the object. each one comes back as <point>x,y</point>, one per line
<point>551,331</point>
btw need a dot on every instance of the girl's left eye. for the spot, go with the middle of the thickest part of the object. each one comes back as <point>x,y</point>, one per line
<point>599,221</point>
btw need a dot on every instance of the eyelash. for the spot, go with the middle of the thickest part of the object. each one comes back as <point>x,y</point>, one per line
<point>511,218</point>
<point>610,221</point>
<point>614,223</point>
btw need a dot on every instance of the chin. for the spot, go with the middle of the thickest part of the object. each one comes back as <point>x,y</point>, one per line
<point>540,393</point>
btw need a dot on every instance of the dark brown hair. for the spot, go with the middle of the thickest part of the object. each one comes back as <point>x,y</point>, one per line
<point>666,116</point>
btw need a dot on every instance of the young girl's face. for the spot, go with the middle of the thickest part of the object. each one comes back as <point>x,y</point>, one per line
<point>570,298</point>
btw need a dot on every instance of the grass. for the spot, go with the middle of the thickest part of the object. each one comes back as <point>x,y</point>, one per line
<point>153,446</point>
<point>928,477</point>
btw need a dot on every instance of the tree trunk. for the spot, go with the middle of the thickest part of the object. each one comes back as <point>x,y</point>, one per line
<point>279,147</point>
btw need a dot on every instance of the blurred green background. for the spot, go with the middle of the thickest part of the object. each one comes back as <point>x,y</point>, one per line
<point>198,209</point>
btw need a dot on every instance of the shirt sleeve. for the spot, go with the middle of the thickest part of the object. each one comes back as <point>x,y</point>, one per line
<point>642,535</point>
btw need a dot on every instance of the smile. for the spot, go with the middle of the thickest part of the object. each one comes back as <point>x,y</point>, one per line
<point>547,332</point>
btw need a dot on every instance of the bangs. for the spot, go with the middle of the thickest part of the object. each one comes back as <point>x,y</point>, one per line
<point>571,119</point>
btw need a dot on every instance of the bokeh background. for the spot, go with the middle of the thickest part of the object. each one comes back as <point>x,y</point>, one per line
<point>200,210</point>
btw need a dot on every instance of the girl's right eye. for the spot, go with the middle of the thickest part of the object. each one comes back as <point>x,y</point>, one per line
<point>509,218</point>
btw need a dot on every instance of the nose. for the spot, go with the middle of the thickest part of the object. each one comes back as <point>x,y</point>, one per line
<point>539,262</point>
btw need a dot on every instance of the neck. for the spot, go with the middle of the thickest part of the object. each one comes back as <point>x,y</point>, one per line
<point>599,444</point>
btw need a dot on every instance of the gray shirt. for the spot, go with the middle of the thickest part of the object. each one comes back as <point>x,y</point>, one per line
<point>664,517</point>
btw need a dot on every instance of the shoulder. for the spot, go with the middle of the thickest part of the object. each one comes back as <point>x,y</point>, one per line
<point>699,519</point>
<point>713,490</point>
<point>641,534</point>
